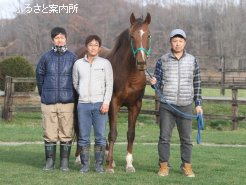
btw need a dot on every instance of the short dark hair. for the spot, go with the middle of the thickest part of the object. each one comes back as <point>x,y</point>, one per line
<point>56,31</point>
<point>91,38</point>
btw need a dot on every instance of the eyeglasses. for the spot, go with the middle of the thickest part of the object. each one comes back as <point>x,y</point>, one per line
<point>93,45</point>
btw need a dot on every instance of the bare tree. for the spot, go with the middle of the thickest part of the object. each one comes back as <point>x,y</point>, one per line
<point>212,28</point>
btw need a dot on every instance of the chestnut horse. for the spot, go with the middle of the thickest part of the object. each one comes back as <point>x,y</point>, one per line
<point>128,58</point>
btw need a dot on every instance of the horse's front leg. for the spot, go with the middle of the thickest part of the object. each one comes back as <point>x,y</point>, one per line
<point>133,112</point>
<point>112,136</point>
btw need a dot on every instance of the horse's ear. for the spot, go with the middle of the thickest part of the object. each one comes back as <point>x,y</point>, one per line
<point>148,18</point>
<point>132,19</point>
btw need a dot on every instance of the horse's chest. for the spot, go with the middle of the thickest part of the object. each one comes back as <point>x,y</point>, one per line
<point>131,89</point>
<point>133,92</point>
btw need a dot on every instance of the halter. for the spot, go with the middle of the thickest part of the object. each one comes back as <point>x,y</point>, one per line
<point>135,51</point>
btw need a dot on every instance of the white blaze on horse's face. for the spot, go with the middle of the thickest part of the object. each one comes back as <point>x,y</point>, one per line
<point>141,33</point>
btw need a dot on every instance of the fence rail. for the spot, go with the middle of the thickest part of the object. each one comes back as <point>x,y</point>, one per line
<point>9,108</point>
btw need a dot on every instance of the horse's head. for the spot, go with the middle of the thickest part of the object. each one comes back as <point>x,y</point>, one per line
<point>140,39</point>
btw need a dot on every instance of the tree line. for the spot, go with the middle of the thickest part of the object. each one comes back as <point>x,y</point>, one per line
<point>216,29</point>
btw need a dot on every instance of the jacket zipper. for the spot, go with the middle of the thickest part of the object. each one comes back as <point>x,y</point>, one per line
<point>58,80</point>
<point>178,81</point>
<point>90,83</point>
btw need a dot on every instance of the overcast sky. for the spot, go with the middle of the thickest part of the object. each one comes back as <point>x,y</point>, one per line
<point>9,7</point>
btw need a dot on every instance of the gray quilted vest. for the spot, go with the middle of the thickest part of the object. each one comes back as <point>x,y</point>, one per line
<point>178,79</point>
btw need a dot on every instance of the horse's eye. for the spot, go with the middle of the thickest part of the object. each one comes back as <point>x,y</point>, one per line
<point>149,36</point>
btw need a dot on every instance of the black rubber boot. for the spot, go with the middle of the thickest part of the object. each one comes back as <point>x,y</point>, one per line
<point>85,159</point>
<point>50,155</point>
<point>65,149</point>
<point>99,152</point>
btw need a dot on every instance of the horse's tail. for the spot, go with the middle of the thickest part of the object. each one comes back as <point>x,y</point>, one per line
<point>76,125</point>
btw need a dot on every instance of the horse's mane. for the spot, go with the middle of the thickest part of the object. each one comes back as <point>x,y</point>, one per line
<point>123,40</point>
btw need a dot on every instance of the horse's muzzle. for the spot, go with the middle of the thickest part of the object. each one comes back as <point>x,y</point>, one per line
<point>141,66</point>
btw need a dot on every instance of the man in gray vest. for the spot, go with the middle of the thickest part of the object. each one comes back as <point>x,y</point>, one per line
<point>177,74</point>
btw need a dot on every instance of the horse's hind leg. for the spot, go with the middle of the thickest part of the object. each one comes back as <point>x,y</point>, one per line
<point>77,155</point>
<point>132,118</point>
<point>110,161</point>
<point>76,132</point>
<point>111,136</point>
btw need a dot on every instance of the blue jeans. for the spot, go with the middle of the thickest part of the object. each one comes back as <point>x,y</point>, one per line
<point>89,115</point>
<point>168,120</point>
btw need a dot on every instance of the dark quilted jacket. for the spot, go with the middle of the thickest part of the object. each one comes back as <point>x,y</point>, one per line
<point>54,77</point>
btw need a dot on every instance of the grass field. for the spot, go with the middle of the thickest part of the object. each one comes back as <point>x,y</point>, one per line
<point>27,127</point>
<point>206,92</point>
<point>213,163</point>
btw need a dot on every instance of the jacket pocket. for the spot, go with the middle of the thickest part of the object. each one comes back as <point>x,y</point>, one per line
<point>99,74</point>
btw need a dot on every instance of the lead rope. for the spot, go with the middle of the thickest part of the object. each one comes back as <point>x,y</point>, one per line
<point>199,118</point>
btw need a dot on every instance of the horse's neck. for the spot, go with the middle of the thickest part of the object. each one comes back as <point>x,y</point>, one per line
<point>124,62</point>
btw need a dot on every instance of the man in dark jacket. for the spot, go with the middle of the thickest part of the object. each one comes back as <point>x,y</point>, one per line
<point>54,81</point>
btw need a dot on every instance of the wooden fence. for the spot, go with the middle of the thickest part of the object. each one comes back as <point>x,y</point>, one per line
<point>9,108</point>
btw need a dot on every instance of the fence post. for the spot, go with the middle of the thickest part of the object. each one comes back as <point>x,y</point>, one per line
<point>234,108</point>
<point>8,100</point>
<point>222,63</point>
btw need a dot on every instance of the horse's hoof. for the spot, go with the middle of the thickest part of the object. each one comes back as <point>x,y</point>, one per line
<point>77,161</point>
<point>109,170</point>
<point>113,164</point>
<point>130,169</point>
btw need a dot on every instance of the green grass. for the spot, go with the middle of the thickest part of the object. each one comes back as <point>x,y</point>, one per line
<point>205,92</point>
<point>220,165</point>
<point>27,127</point>
<point>216,92</point>
<point>212,165</point>
<point>24,127</point>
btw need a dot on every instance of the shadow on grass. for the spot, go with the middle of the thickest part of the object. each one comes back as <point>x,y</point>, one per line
<point>31,155</point>
<point>34,156</point>
<point>23,155</point>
